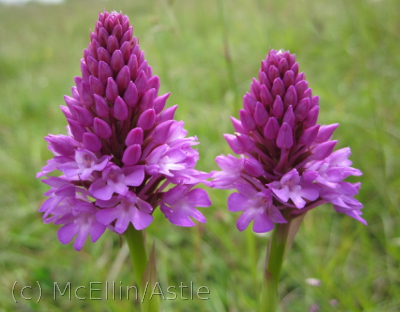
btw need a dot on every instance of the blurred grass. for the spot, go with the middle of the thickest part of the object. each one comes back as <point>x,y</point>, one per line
<point>206,54</point>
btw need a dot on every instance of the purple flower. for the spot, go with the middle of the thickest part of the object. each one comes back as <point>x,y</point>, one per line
<point>116,180</point>
<point>291,186</point>
<point>85,163</point>
<point>256,206</point>
<point>164,159</point>
<point>130,208</point>
<point>287,159</point>
<point>180,202</point>
<point>80,221</point>
<point>123,149</point>
<point>231,171</point>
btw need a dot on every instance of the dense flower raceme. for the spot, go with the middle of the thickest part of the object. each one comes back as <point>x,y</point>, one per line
<point>123,149</point>
<point>287,161</point>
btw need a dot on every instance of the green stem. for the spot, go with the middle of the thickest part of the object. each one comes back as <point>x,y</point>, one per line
<point>276,251</point>
<point>138,253</point>
<point>251,251</point>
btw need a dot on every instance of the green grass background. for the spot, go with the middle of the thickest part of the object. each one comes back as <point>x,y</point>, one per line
<point>206,53</point>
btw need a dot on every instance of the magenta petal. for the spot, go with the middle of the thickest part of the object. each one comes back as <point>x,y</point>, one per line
<point>123,221</point>
<point>96,230</point>
<point>180,219</point>
<point>144,206</point>
<point>156,154</point>
<point>237,202</point>
<point>275,215</point>
<point>195,214</point>
<point>173,195</point>
<point>310,175</point>
<point>119,188</point>
<point>66,190</point>
<point>311,192</point>
<point>244,220</point>
<point>100,190</point>
<point>175,155</point>
<point>107,215</point>
<point>355,214</point>
<point>67,232</point>
<point>262,223</point>
<point>141,219</point>
<point>298,201</point>
<point>246,190</point>
<point>69,169</point>
<point>253,167</point>
<point>136,177</point>
<point>81,238</point>
<point>107,203</point>
<point>282,193</point>
<point>198,198</point>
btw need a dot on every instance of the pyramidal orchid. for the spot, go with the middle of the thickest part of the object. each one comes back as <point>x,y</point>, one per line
<point>287,165</point>
<point>124,155</point>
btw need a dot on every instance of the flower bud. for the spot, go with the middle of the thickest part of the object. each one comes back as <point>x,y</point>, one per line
<point>147,119</point>
<point>135,136</point>
<point>132,155</point>
<point>285,136</point>
<point>120,110</point>
<point>102,129</point>
<point>271,129</point>
<point>92,142</point>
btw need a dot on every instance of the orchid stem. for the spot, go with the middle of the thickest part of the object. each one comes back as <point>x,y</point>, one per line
<point>251,250</point>
<point>276,250</point>
<point>137,250</point>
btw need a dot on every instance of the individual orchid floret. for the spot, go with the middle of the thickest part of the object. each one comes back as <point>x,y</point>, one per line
<point>80,222</point>
<point>123,150</point>
<point>164,159</point>
<point>116,180</point>
<point>130,209</point>
<point>231,170</point>
<point>179,205</point>
<point>256,206</point>
<point>284,151</point>
<point>85,163</point>
<point>292,187</point>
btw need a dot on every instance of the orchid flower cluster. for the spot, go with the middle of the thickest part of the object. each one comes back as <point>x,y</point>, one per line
<point>124,155</point>
<point>287,164</point>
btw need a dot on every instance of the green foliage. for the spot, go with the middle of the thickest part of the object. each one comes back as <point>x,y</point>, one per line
<point>206,53</point>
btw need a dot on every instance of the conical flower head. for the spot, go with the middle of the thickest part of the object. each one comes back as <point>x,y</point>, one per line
<point>287,160</point>
<point>122,149</point>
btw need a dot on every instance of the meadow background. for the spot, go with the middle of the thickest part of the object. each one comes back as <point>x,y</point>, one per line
<point>206,53</point>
